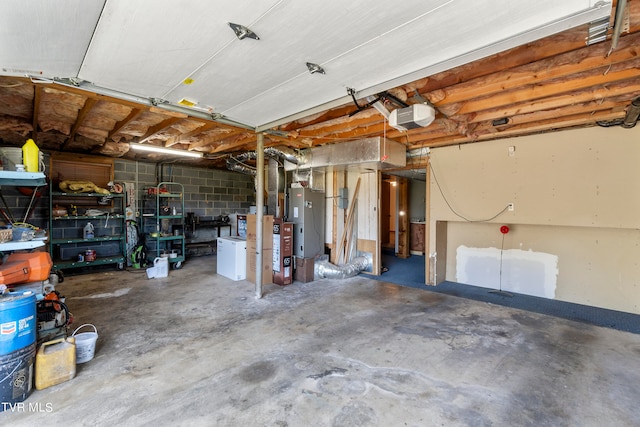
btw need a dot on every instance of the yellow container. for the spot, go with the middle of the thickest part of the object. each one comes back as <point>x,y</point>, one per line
<point>31,156</point>
<point>55,362</point>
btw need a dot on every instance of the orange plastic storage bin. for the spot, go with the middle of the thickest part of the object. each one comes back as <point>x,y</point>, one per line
<point>39,264</point>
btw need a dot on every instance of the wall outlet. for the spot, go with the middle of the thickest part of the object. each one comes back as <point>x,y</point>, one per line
<point>511,207</point>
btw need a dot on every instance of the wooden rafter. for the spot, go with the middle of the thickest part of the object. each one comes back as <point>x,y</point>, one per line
<point>153,130</point>
<point>178,138</point>
<point>231,144</point>
<point>218,137</point>
<point>82,115</point>
<point>553,83</point>
<point>558,67</point>
<point>134,114</point>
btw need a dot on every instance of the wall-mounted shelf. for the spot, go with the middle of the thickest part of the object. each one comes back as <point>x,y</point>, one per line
<point>22,179</point>
<point>20,246</point>
<point>87,217</point>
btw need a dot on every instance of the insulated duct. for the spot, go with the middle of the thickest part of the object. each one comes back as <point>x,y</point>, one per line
<point>282,153</point>
<point>628,121</point>
<point>235,163</point>
<point>418,152</point>
<point>633,113</point>
<point>323,269</point>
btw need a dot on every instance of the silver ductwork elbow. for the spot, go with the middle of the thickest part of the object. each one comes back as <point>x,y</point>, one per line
<point>323,269</point>
<point>418,152</point>
<point>235,164</point>
<point>631,118</point>
<point>283,153</point>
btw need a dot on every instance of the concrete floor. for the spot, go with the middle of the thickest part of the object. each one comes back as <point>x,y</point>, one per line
<point>199,349</point>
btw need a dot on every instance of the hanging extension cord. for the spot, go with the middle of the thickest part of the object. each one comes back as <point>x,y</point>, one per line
<point>433,172</point>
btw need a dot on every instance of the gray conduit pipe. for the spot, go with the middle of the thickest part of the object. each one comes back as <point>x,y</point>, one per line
<point>617,24</point>
<point>259,213</point>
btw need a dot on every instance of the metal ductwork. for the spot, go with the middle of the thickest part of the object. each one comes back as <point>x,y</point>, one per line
<point>371,153</point>
<point>282,153</point>
<point>323,269</point>
<point>629,120</point>
<point>633,113</point>
<point>235,163</point>
<point>418,152</point>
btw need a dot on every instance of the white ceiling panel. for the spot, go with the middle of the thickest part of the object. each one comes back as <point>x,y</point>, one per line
<point>46,38</point>
<point>146,47</point>
<point>292,34</point>
<point>420,48</point>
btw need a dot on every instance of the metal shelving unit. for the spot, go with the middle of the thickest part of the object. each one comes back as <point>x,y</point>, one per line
<point>22,179</point>
<point>71,222</point>
<point>167,199</point>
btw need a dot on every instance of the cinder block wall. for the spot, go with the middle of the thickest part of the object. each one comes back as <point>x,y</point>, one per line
<point>208,192</point>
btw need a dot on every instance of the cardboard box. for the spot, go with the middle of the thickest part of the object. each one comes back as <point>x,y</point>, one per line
<point>267,249</point>
<point>304,269</point>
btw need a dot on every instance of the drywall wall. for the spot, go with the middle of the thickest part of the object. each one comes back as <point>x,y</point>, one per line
<point>576,216</point>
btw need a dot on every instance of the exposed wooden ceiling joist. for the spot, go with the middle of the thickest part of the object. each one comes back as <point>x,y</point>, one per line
<point>153,130</point>
<point>554,83</point>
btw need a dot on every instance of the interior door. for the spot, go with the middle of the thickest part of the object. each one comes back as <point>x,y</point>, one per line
<point>402,229</point>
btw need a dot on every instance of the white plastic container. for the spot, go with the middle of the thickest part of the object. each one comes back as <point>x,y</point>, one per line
<point>85,343</point>
<point>11,156</point>
<point>151,272</point>
<point>88,231</point>
<point>161,264</point>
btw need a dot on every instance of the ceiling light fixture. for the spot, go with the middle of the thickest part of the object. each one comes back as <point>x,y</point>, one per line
<point>243,32</point>
<point>162,150</point>
<point>314,68</point>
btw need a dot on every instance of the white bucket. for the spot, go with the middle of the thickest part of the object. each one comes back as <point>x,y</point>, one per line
<point>85,344</point>
<point>162,267</point>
